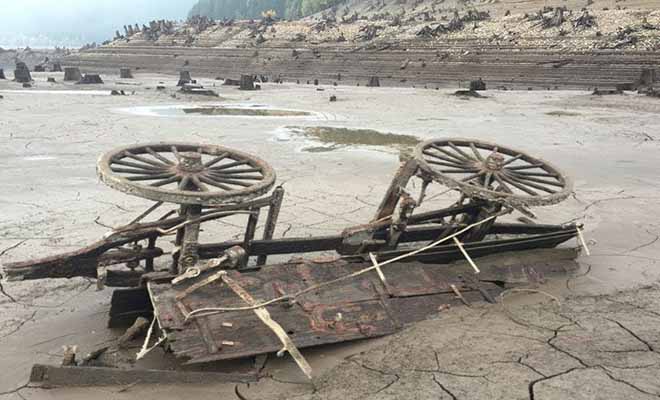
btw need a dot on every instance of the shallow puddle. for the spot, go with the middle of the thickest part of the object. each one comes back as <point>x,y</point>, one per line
<point>334,138</point>
<point>215,110</point>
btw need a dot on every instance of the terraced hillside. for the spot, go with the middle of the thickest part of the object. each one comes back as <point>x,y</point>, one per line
<point>426,43</point>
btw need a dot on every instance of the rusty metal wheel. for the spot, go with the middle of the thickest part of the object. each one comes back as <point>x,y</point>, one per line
<point>186,173</point>
<point>492,172</point>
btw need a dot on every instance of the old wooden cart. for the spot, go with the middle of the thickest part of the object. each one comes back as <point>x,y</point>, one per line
<point>217,301</point>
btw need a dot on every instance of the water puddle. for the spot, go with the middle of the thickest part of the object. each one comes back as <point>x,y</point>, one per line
<point>327,139</point>
<point>217,110</point>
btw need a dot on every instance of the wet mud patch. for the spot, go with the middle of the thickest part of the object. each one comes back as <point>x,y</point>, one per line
<point>217,110</point>
<point>560,113</point>
<point>244,111</point>
<point>336,138</point>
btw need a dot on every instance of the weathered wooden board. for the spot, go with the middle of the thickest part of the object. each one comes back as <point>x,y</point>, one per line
<point>357,308</point>
<point>53,376</point>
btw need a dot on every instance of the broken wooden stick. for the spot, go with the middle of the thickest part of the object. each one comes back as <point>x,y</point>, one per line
<point>138,327</point>
<point>466,255</point>
<point>265,317</point>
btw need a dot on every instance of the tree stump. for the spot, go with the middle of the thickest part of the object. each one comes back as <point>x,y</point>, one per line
<point>477,85</point>
<point>316,82</point>
<point>647,77</point>
<point>22,73</point>
<point>72,74</point>
<point>2,74</point>
<point>89,79</point>
<point>247,82</point>
<point>374,81</point>
<point>125,73</point>
<point>184,77</point>
<point>57,67</point>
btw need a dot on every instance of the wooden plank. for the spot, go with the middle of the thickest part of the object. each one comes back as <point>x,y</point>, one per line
<point>358,308</point>
<point>53,376</point>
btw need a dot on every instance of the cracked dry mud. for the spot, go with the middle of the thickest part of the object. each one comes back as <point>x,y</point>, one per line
<point>590,347</point>
<point>601,344</point>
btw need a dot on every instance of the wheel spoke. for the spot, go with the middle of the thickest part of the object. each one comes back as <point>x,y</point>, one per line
<point>144,160</point>
<point>519,186</point>
<point>244,170</point>
<point>150,177</point>
<point>502,184</point>
<point>512,159</point>
<point>136,171</point>
<point>531,184</point>
<point>471,177</point>
<point>199,184</point>
<point>444,158</point>
<point>212,182</point>
<point>476,152</point>
<point>230,165</point>
<point>159,156</point>
<point>229,181</point>
<point>444,164</point>
<point>175,152</point>
<point>139,166</point>
<point>241,177</point>
<point>455,171</point>
<point>183,185</point>
<point>461,152</point>
<point>487,179</point>
<point>449,154</point>
<point>537,180</point>
<point>216,160</point>
<point>539,174</point>
<point>531,166</point>
<point>165,181</point>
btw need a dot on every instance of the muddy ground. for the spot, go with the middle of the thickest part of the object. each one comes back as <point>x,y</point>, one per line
<point>601,342</point>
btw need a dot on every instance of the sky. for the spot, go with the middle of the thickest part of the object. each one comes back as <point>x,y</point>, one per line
<point>79,20</point>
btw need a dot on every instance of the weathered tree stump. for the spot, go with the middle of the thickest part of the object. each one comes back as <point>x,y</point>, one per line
<point>22,73</point>
<point>477,85</point>
<point>2,74</point>
<point>647,77</point>
<point>374,81</point>
<point>247,82</point>
<point>72,74</point>
<point>57,67</point>
<point>125,73</point>
<point>90,79</point>
<point>184,77</point>
<point>231,82</point>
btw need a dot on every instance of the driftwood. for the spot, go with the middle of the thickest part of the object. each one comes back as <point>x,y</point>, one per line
<point>52,376</point>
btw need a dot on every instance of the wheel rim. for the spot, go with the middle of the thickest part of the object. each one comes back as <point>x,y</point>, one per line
<point>186,173</point>
<point>492,172</point>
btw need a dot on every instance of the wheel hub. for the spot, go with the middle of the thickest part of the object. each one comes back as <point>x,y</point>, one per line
<point>494,162</point>
<point>190,161</point>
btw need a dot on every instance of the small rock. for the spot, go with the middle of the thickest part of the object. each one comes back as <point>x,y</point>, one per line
<point>333,98</point>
